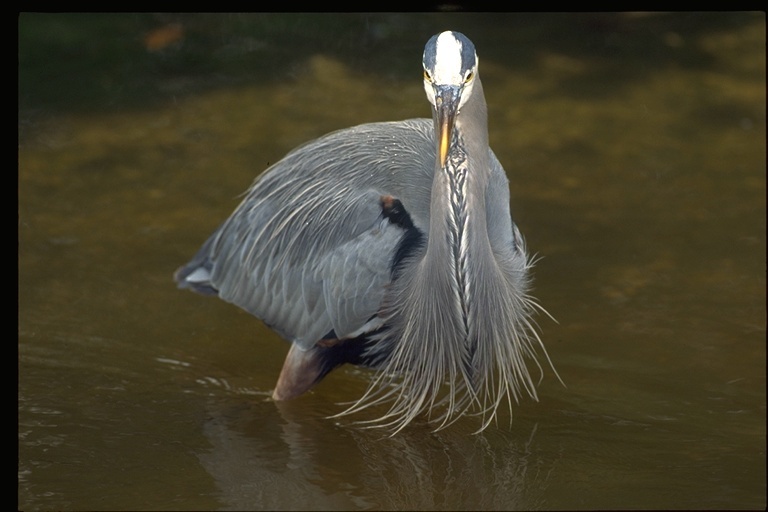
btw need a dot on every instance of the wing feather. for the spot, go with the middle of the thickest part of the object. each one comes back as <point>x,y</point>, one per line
<point>308,250</point>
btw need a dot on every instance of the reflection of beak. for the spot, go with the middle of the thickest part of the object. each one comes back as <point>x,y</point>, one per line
<point>446,106</point>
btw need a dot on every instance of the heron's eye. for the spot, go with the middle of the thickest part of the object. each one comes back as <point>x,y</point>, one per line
<point>427,76</point>
<point>469,77</point>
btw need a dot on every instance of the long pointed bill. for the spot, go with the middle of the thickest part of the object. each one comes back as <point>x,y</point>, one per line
<point>446,107</point>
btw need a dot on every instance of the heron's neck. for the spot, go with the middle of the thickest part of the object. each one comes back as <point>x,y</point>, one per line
<point>458,224</point>
<point>458,190</point>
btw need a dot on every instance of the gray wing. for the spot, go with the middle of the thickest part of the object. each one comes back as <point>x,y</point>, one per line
<point>309,250</point>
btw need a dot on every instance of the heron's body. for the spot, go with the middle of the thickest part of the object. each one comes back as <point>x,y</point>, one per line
<point>377,246</point>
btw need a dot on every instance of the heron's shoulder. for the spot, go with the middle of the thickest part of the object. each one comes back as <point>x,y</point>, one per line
<point>345,171</point>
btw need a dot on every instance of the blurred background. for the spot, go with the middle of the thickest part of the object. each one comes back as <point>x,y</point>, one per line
<point>635,146</point>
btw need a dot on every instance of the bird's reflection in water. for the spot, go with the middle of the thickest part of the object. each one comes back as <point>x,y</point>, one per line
<point>276,455</point>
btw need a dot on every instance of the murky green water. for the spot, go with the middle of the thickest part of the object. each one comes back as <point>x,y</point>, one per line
<point>636,149</point>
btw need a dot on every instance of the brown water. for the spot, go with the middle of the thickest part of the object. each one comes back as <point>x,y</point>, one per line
<point>636,149</point>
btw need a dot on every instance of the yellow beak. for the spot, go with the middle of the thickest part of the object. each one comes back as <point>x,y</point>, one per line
<point>446,107</point>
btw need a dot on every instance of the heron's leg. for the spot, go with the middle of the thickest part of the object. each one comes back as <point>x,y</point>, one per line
<point>302,369</point>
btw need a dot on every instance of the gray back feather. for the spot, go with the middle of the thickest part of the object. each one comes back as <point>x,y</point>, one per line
<point>308,250</point>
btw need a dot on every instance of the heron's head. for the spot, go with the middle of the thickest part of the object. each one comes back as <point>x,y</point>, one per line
<point>450,72</point>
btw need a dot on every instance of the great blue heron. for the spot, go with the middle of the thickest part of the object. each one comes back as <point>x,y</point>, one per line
<point>391,246</point>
